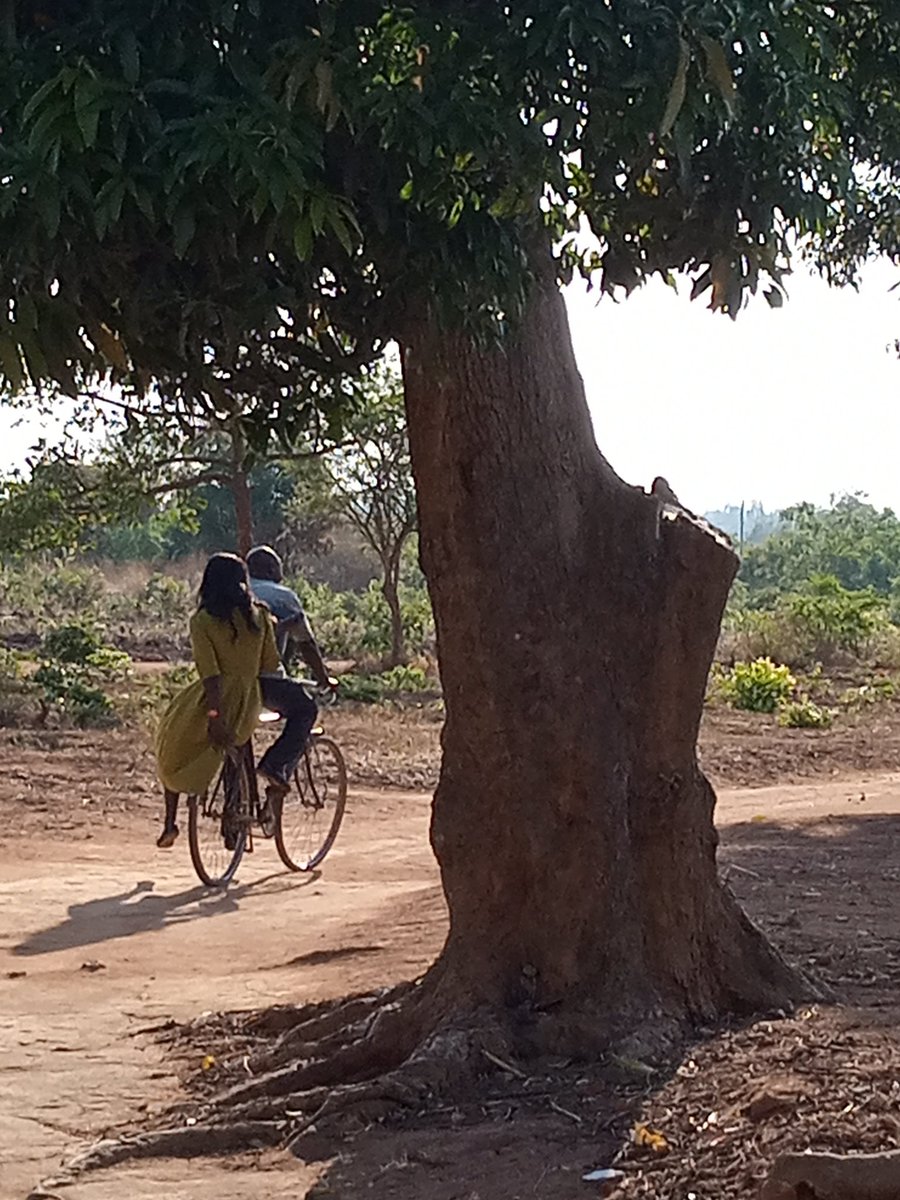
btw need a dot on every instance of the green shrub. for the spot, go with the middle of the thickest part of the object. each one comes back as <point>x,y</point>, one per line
<point>71,643</point>
<point>165,686</point>
<point>876,691</point>
<point>372,689</point>
<point>356,624</point>
<point>405,679</point>
<point>74,665</point>
<point>164,598</point>
<point>18,695</point>
<point>68,591</point>
<point>758,686</point>
<point>68,688</point>
<point>830,619</point>
<point>364,688</point>
<point>804,714</point>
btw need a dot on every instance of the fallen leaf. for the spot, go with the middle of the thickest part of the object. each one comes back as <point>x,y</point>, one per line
<point>208,1063</point>
<point>645,1135</point>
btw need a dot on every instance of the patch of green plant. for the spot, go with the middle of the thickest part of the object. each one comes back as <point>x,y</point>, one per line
<point>74,666</point>
<point>804,714</point>
<point>405,679</point>
<point>67,687</point>
<point>372,689</point>
<point>831,618</point>
<point>18,695</point>
<point>758,686</point>
<point>165,686</point>
<point>876,691</point>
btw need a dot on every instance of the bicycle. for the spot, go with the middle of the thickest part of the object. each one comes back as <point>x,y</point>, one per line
<point>221,821</point>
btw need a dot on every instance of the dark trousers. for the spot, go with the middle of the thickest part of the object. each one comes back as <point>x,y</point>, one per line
<point>291,701</point>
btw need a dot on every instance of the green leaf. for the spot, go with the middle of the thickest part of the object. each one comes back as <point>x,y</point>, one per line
<point>130,56</point>
<point>719,72</point>
<point>341,230</point>
<point>184,227</point>
<point>88,103</point>
<point>11,363</point>
<point>407,190</point>
<point>47,200</point>
<point>303,239</point>
<point>38,98</point>
<point>677,91</point>
<point>455,212</point>
<point>318,206</point>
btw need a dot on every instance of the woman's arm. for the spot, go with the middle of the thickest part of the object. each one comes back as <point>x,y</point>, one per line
<point>207,663</point>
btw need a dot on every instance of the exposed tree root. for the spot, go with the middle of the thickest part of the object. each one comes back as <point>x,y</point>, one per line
<point>187,1142</point>
<point>388,1059</point>
<point>352,1063</point>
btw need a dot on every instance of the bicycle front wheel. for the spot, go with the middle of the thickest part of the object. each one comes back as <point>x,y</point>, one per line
<point>217,829</point>
<point>310,815</point>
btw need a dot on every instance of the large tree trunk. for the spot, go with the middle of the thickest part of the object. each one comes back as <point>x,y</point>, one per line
<point>241,494</point>
<point>576,625</point>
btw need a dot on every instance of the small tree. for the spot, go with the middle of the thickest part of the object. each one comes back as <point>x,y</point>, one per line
<point>368,482</point>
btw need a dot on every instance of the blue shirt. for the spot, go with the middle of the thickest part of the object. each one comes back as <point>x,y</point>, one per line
<point>282,602</point>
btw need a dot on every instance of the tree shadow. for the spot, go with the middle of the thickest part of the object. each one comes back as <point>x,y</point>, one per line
<point>141,909</point>
<point>825,893</point>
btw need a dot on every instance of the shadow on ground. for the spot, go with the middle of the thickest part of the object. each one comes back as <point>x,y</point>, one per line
<point>826,892</point>
<point>143,910</point>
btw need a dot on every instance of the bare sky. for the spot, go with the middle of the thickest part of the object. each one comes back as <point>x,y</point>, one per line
<point>779,406</point>
<point>782,405</point>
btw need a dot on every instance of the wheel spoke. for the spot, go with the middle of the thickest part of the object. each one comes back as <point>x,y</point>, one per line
<point>311,813</point>
<point>218,826</point>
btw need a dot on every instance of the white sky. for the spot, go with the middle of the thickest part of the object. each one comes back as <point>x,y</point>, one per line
<point>782,405</point>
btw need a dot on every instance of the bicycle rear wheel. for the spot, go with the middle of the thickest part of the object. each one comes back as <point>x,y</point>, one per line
<point>217,824</point>
<point>310,815</point>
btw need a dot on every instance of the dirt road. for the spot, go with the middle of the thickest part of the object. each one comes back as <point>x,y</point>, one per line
<point>103,936</point>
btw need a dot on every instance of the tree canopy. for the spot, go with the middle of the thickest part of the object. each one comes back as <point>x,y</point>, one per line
<point>851,540</point>
<point>208,189</point>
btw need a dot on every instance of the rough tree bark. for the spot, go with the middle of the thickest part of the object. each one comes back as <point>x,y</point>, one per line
<point>576,625</point>
<point>239,485</point>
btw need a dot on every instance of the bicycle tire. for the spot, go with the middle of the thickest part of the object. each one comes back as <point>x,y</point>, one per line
<point>214,863</point>
<point>319,783</point>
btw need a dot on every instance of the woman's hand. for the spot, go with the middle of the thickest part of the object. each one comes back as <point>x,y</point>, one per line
<point>219,732</point>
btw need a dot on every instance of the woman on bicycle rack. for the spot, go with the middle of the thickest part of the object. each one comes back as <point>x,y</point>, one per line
<point>233,643</point>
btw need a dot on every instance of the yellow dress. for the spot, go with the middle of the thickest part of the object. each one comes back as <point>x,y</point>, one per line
<point>186,759</point>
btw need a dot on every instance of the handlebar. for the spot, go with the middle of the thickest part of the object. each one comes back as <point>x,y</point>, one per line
<point>325,695</point>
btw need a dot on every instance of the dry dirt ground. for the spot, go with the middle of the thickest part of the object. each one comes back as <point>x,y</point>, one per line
<point>102,939</point>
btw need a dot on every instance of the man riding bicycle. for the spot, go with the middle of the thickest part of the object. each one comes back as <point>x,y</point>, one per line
<point>281,694</point>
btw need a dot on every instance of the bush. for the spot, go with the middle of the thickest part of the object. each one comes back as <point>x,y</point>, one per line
<point>758,686</point>
<point>74,665</point>
<point>70,590</point>
<point>372,689</point>
<point>356,624</point>
<point>804,714</point>
<point>876,691</point>
<point>18,703</point>
<point>67,688</point>
<point>830,619</point>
